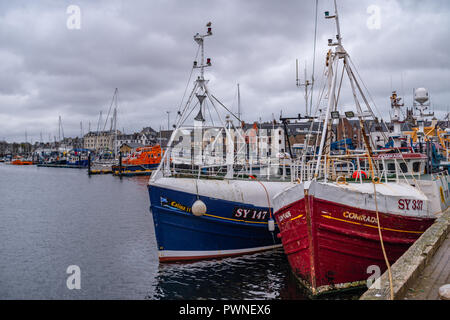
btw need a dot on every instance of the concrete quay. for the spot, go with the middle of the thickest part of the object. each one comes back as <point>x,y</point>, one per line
<point>422,270</point>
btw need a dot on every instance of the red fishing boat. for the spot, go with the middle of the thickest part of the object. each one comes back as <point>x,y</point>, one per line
<point>351,214</point>
<point>330,230</point>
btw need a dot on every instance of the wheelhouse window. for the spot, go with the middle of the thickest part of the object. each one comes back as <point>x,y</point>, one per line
<point>391,166</point>
<point>416,167</point>
<point>403,167</point>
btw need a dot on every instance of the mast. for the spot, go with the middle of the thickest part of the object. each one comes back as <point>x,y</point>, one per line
<point>61,130</point>
<point>98,127</point>
<point>396,107</point>
<point>115,132</point>
<point>239,103</point>
<point>205,100</point>
<point>306,85</point>
<point>333,59</point>
<point>200,41</point>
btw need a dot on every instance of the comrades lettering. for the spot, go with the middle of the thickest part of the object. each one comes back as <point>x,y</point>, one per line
<point>250,214</point>
<point>358,217</point>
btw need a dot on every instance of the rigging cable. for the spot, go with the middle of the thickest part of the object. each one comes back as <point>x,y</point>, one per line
<point>187,85</point>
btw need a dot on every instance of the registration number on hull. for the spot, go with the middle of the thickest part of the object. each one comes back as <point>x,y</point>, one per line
<point>250,214</point>
<point>408,204</point>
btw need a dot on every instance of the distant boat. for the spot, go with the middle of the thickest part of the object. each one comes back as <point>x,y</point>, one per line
<point>21,162</point>
<point>78,158</point>
<point>142,161</point>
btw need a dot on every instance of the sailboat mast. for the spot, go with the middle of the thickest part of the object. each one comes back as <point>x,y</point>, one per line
<point>115,132</point>
<point>239,103</point>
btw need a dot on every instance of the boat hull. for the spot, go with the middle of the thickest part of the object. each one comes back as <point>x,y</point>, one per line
<point>22,163</point>
<point>332,245</point>
<point>132,170</point>
<point>78,163</point>
<point>228,228</point>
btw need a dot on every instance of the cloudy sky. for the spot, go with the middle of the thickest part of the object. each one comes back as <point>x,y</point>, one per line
<point>49,67</point>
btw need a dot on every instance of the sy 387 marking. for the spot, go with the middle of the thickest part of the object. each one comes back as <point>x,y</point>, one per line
<point>408,204</point>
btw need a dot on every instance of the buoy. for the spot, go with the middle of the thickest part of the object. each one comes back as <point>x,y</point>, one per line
<point>199,208</point>
<point>357,173</point>
<point>271,225</point>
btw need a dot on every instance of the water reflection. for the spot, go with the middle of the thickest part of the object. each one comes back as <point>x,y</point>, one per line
<point>259,276</point>
<point>53,218</point>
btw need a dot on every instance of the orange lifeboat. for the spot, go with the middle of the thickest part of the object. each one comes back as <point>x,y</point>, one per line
<point>144,156</point>
<point>142,162</point>
<point>21,162</point>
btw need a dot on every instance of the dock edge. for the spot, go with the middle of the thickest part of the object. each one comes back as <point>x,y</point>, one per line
<point>410,265</point>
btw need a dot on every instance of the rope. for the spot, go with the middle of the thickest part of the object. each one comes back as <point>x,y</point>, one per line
<point>369,156</point>
<point>382,242</point>
<point>267,194</point>
<point>386,260</point>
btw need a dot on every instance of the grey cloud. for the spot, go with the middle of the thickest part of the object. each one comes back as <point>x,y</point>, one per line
<point>146,49</point>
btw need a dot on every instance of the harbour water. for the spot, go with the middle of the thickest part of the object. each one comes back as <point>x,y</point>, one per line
<point>54,218</point>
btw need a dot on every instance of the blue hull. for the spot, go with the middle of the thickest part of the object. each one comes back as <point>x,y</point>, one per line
<point>133,170</point>
<point>182,236</point>
<point>82,163</point>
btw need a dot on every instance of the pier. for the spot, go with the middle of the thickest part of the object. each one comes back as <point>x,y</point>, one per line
<point>49,165</point>
<point>100,170</point>
<point>422,270</point>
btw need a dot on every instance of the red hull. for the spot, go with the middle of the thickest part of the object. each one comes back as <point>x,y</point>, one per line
<point>330,245</point>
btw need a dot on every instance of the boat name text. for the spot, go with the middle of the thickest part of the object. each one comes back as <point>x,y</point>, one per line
<point>165,202</point>
<point>360,217</point>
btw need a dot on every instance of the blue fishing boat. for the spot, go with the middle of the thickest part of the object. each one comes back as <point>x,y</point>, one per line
<point>210,196</point>
<point>78,158</point>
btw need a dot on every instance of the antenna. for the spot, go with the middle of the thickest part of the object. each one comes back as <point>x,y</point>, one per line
<point>199,39</point>
<point>307,84</point>
<point>338,27</point>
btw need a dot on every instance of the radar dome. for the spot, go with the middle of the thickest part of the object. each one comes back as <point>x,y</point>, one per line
<point>421,95</point>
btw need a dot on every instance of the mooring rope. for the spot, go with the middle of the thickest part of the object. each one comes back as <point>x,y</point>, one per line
<point>383,249</point>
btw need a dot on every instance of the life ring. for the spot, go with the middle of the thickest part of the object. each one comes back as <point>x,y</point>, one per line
<point>356,174</point>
